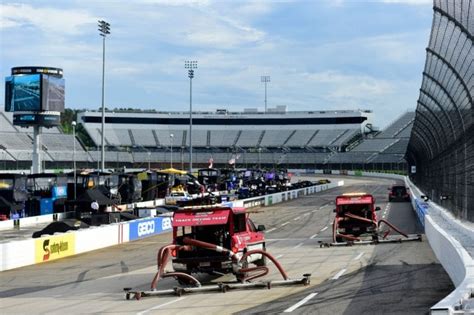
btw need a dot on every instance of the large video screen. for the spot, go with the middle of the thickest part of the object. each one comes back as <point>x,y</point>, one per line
<point>53,94</point>
<point>34,93</point>
<point>23,93</point>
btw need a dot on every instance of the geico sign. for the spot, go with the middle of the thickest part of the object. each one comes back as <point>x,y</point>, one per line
<point>145,228</point>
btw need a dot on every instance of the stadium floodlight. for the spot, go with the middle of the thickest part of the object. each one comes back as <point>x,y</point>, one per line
<point>74,155</point>
<point>265,79</point>
<point>104,30</point>
<point>171,147</point>
<point>190,65</point>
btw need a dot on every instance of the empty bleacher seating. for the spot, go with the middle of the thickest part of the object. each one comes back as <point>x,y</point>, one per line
<point>249,138</point>
<point>275,138</point>
<point>397,126</point>
<point>299,139</point>
<point>374,145</point>
<point>223,138</point>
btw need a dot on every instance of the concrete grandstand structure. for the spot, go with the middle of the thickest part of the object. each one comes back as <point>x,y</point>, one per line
<point>319,139</point>
<point>223,129</point>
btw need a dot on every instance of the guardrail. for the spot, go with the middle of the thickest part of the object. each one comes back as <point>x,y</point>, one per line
<point>453,256</point>
<point>21,253</point>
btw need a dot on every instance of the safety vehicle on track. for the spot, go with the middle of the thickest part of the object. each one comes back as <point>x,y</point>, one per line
<point>355,216</point>
<point>398,193</point>
<point>223,228</point>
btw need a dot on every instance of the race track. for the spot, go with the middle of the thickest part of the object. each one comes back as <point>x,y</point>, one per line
<point>401,278</point>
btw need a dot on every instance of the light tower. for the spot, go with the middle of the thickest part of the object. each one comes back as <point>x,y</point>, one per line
<point>265,79</point>
<point>190,65</point>
<point>104,30</point>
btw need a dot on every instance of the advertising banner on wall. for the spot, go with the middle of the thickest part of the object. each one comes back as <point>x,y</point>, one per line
<point>144,228</point>
<point>54,247</point>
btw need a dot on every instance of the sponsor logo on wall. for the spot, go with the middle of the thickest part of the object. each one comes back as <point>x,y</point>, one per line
<point>144,228</point>
<point>54,247</point>
<point>254,203</point>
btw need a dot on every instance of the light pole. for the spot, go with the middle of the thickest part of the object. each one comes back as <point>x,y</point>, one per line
<point>265,79</point>
<point>149,154</point>
<point>45,150</point>
<point>190,65</point>
<point>104,30</point>
<point>171,146</point>
<point>74,155</point>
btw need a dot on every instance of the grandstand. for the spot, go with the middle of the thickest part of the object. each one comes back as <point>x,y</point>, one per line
<point>323,139</point>
<point>223,129</point>
<point>387,147</point>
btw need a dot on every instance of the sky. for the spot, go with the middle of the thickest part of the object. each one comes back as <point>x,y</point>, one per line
<point>320,54</point>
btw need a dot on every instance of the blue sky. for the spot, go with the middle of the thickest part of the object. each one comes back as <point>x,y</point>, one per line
<point>321,54</point>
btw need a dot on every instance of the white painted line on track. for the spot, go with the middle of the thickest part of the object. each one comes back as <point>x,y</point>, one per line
<point>279,256</point>
<point>314,210</point>
<point>297,218</point>
<point>306,214</point>
<point>324,229</point>
<point>340,273</point>
<point>294,307</point>
<point>313,236</point>
<point>271,230</point>
<point>283,224</point>
<point>359,256</point>
<point>299,245</point>
<point>160,305</point>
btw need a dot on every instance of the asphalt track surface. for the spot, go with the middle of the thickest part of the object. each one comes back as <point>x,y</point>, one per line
<point>401,278</point>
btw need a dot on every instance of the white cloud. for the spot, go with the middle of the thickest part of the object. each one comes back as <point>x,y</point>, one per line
<point>47,19</point>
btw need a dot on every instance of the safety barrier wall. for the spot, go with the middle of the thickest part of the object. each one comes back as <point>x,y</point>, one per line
<point>98,237</point>
<point>453,256</point>
<point>28,221</point>
<point>17,254</point>
<point>275,198</point>
<point>46,218</point>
